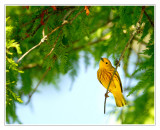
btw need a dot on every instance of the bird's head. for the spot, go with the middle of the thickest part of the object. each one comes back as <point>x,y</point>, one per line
<point>105,63</point>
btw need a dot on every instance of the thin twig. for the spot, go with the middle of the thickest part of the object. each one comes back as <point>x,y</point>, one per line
<point>151,22</point>
<point>42,40</point>
<point>129,41</point>
<point>29,51</point>
<point>34,90</point>
<point>76,16</point>
<point>57,28</point>
<point>54,43</point>
<point>68,14</point>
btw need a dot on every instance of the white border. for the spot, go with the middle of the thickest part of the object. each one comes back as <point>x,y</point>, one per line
<point>78,2</point>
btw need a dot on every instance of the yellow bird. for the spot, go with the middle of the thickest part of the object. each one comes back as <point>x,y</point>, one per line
<point>104,75</point>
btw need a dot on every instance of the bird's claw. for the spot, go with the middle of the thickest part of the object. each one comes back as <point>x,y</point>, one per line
<point>106,95</point>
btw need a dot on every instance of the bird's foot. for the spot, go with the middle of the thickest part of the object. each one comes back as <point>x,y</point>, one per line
<point>106,94</point>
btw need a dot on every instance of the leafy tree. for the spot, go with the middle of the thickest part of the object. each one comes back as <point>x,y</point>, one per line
<point>47,40</point>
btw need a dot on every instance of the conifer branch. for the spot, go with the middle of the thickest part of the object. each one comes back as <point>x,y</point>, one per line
<point>137,30</point>
<point>44,38</point>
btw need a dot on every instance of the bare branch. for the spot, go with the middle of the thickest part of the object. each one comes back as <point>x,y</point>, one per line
<point>42,40</point>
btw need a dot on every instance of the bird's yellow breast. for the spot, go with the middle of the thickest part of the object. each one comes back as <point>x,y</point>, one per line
<point>104,76</point>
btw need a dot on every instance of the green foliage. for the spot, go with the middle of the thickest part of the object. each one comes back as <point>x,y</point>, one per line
<point>144,91</point>
<point>148,74</point>
<point>104,32</point>
<point>12,49</point>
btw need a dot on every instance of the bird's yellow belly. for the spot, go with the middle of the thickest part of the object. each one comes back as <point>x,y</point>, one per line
<point>105,76</point>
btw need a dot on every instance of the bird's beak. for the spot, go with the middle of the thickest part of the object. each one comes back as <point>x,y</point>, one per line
<point>102,59</point>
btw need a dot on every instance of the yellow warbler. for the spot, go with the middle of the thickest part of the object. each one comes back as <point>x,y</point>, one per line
<point>104,75</point>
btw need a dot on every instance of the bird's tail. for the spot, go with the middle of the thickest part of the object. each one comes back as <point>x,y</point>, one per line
<point>119,99</point>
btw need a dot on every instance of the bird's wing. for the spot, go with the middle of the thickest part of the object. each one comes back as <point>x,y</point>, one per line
<point>119,80</point>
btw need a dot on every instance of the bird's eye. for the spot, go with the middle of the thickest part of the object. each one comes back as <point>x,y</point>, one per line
<point>106,62</point>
